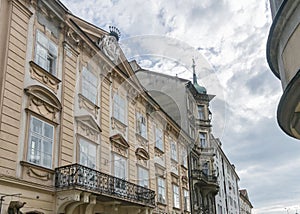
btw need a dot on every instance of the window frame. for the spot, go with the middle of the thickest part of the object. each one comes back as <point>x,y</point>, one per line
<point>186,200</point>
<point>174,155</point>
<point>88,143</point>
<point>86,85</point>
<point>42,146</point>
<point>141,125</point>
<point>159,143</point>
<point>119,112</point>
<point>50,56</point>
<point>140,173</point>
<point>114,165</point>
<point>161,190</point>
<point>176,196</point>
<point>203,140</point>
<point>201,114</point>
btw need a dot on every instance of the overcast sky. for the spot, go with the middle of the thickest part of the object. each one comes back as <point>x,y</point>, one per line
<point>231,35</point>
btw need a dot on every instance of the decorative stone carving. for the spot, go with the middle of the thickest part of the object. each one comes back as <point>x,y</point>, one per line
<point>159,157</point>
<point>118,126</point>
<point>174,167</point>
<point>87,127</point>
<point>141,142</point>
<point>88,105</point>
<point>119,144</point>
<point>44,77</point>
<point>43,102</point>
<point>110,47</point>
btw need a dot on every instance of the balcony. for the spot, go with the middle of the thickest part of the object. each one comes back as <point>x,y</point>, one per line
<point>208,182</point>
<point>76,176</point>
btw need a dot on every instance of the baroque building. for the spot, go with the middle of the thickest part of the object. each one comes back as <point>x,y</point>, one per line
<point>188,104</point>
<point>78,133</point>
<point>227,199</point>
<point>283,55</point>
<point>245,206</point>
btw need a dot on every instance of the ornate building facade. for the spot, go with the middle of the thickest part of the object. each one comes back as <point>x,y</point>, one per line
<point>78,133</point>
<point>283,55</point>
<point>245,206</point>
<point>188,104</point>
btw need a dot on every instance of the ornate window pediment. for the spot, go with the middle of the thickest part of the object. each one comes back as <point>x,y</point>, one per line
<point>142,154</point>
<point>120,140</point>
<point>43,102</point>
<point>87,127</point>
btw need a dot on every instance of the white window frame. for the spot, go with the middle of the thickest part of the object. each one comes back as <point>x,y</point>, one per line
<point>186,200</point>
<point>141,125</point>
<point>161,190</point>
<point>37,153</point>
<point>87,153</point>
<point>120,184</point>
<point>173,148</point>
<point>46,53</point>
<point>119,108</point>
<point>176,196</point>
<point>89,85</point>
<point>143,177</point>
<point>203,139</point>
<point>159,138</point>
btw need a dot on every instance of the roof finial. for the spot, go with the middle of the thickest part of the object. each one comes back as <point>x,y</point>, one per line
<point>194,72</point>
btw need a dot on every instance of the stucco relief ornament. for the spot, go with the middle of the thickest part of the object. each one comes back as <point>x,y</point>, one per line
<point>109,44</point>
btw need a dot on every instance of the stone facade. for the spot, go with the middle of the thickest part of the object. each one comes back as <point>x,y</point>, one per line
<point>78,133</point>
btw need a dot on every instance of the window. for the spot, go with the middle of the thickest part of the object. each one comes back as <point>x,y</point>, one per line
<point>45,53</point>
<point>41,135</point>
<point>119,166</point>
<point>174,151</point>
<point>184,157</point>
<point>159,139</point>
<point>161,190</point>
<point>143,176</point>
<point>186,200</point>
<point>191,131</point>
<point>141,125</point>
<point>119,108</point>
<point>201,113</point>
<point>89,85</point>
<point>176,196</point>
<point>202,139</point>
<point>87,153</point>
<point>205,168</point>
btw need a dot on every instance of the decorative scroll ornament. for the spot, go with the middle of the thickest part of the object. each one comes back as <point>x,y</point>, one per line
<point>109,44</point>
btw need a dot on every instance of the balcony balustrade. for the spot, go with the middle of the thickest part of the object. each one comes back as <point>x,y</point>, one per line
<point>76,176</point>
<point>200,175</point>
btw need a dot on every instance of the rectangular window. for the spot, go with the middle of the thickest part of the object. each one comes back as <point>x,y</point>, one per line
<point>184,157</point>
<point>143,176</point>
<point>119,108</point>
<point>174,151</point>
<point>161,190</point>
<point>89,85</point>
<point>87,153</point>
<point>176,196</point>
<point>201,113</point>
<point>202,139</point>
<point>45,53</point>
<point>159,138</point>
<point>186,200</point>
<point>120,166</point>
<point>41,135</point>
<point>141,125</point>
<point>205,168</point>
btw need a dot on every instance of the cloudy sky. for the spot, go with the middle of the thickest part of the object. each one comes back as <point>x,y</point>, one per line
<point>231,36</point>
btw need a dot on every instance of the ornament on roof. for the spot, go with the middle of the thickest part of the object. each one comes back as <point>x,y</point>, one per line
<point>109,44</point>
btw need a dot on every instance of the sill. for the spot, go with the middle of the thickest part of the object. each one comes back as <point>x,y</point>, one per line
<point>158,150</point>
<point>36,173</point>
<point>140,137</point>
<point>183,166</point>
<point>161,203</point>
<point>29,164</point>
<point>176,208</point>
<point>43,76</point>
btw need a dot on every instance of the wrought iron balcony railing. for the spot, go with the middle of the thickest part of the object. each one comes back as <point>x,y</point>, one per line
<point>199,174</point>
<point>78,176</point>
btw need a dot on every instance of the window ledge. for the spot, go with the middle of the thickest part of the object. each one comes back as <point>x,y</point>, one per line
<point>36,171</point>
<point>44,77</point>
<point>158,150</point>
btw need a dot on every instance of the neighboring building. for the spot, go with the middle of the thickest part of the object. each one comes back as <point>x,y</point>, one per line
<point>78,134</point>
<point>283,55</point>
<point>188,104</point>
<point>227,199</point>
<point>245,204</point>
